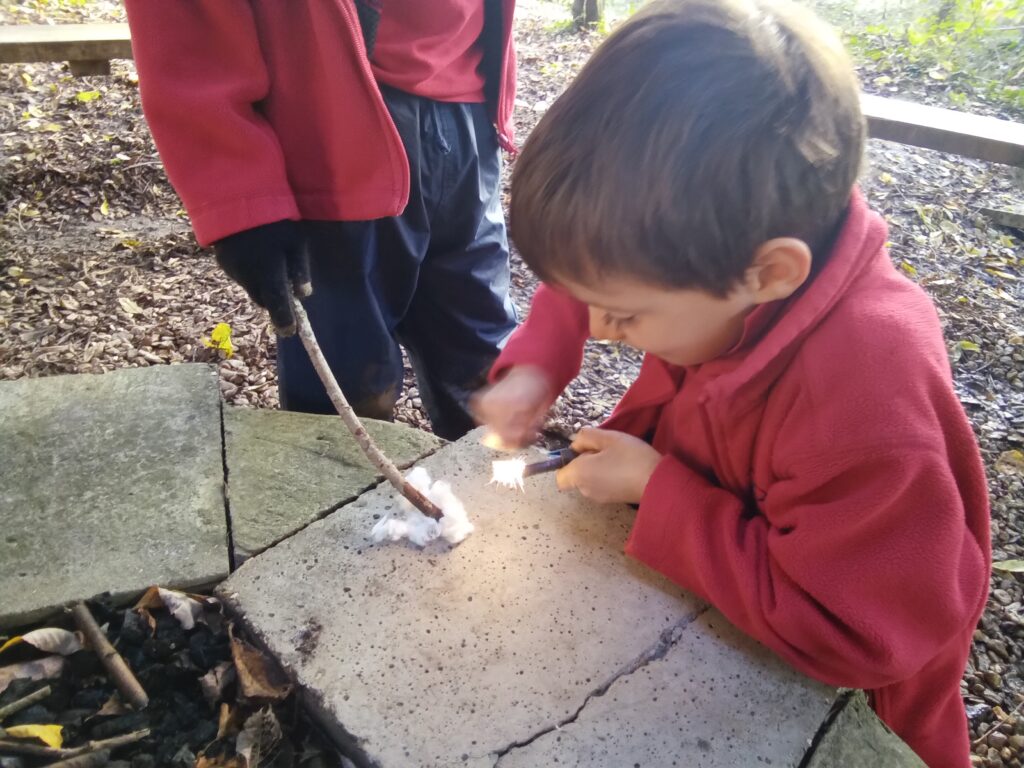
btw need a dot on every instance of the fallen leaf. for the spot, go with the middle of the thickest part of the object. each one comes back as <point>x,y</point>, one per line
<point>1010,462</point>
<point>217,680</point>
<point>220,338</point>
<point>40,669</point>
<point>112,706</point>
<point>908,268</point>
<point>1012,566</point>
<point>86,96</point>
<point>886,178</point>
<point>186,608</point>
<point>970,346</point>
<point>50,735</point>
<point>48,640</point>
<point>259,677</point>
<point>129,306</point>
<point>229,721</point>
<point>105,207</point>
<point>259,736</point>
<point>883,80</point>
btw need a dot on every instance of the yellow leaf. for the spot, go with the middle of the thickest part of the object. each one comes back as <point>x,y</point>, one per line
<point>1000,273</point>
<point>220,338</point>
<point>27,79</point>
<point>883,80</point>
<point>909,268</point>
<point>105,207</point>
<point>1007,463</point>
<point>1011,566</point>
<point>48,639</point>
<point>221,332</point>
<point>87,96</point>
<point>970,346</point>
<point>50,735</point>
<point>961,299</point>
<point>129,306</point>
<point>52,127</point>
<point>886,178</point>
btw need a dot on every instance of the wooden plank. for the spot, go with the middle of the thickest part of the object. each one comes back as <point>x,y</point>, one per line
<point>959,133</point>
<point>64,42</point>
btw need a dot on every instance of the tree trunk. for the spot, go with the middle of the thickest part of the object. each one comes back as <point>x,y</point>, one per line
<point>585,12</point>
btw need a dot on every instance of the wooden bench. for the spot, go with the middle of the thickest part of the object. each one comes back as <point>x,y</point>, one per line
<point>959,133</point>
<point>88,48</point>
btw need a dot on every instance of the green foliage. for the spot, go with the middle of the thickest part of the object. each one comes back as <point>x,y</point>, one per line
<point>975,43</point>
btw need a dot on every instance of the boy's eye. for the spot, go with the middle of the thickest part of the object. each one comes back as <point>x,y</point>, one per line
<point>618,322</point>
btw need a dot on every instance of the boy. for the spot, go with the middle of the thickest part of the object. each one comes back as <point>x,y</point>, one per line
<point>793,441</point>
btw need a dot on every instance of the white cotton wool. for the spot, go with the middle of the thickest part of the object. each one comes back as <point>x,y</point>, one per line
<point>409,523</point>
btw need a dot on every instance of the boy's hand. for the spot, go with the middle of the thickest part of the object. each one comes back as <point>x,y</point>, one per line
<point>515,407</point>
<point>614,466</point>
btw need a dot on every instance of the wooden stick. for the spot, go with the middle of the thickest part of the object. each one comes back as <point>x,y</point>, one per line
<point>34,750</point>
<point>25,701</point>
<point>87,760</point>
<point>125,681</point>
<point>355,426</point>
<point>25,748</point>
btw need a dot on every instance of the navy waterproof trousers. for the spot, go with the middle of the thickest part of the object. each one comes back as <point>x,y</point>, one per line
<point>435,279</point>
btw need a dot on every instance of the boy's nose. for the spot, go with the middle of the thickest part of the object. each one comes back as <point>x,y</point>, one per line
<point>599,329</point>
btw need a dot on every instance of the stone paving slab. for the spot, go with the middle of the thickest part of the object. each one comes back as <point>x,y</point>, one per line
<point>447,657</point>
<point>286,470</point>
<point>856,738</point>
<point>110,482</point>
<point>716,699</point>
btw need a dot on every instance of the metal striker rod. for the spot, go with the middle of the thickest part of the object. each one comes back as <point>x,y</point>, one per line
<point>555,461</point>
<point>355,426</point>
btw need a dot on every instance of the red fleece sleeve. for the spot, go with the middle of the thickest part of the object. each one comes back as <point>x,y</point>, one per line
<point>552,338</point>
<point>201,75</point>
<point>856,572</point>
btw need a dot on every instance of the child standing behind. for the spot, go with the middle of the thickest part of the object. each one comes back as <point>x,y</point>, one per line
<point>793,441</point>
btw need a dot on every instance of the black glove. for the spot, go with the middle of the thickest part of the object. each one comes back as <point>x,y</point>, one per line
<point>270,262</point>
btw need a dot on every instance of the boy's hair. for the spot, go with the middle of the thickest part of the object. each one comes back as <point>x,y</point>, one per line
<point>698,131</point>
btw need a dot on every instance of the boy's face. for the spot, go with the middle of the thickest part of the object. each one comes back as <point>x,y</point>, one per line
<point>682,326</point>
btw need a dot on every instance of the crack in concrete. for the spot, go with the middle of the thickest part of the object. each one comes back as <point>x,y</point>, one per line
<point>317,516</point>
<point>224,486</point>
<point>668,638</point>
<point>841,702</point>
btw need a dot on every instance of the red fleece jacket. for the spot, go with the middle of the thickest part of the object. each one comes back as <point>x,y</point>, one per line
<point>842,518</point>
<point>266,110</point>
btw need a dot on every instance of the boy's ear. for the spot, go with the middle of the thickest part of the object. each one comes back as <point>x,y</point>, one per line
<point>779,268</point>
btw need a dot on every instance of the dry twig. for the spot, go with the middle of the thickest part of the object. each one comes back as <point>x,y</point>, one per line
<point>25,701</point>
<point>355,426</point>
<point>125,681</point>
<point>34,750</point>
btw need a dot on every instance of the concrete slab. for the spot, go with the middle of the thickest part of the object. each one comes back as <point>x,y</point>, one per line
<point>461,656</point>
<point>109,483</point>
<point>716,699</point>
<point>856,738</point>
<point>286,470</point>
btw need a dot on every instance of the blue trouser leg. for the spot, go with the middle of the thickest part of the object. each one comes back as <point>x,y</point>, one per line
<point>436,278</point>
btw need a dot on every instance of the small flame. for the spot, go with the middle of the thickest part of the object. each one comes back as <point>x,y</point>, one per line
<point>493,441</point>
<point>509,473</point>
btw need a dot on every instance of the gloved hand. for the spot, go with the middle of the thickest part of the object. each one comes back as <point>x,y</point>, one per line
<point>270,262</point>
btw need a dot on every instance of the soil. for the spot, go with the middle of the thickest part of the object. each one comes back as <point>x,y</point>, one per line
<point>98,270</point>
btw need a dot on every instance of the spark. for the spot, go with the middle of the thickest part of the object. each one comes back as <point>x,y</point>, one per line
<point>509,473</point>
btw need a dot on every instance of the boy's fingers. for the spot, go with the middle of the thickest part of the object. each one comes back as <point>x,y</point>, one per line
<point>590,439</point>
<point>565,478</point>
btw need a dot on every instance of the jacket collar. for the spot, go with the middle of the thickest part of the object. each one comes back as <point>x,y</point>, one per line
<point>859,244</point>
